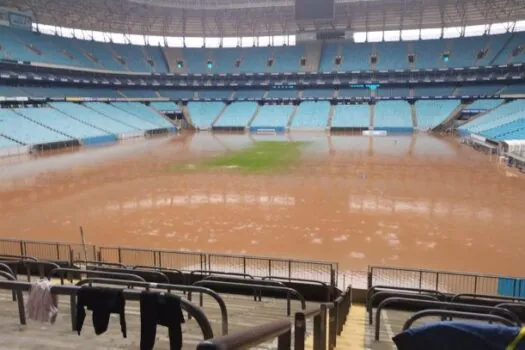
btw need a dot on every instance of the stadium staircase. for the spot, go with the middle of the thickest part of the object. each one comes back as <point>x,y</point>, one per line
<point>312,53</point>
<point>219,115</point>
<point>292,116</point>
<point>253,116</point>
<point>372,116</point>
<point>187,115</point>
<point>331,114</point>
<point>414,115</point>
<point>449,121</point>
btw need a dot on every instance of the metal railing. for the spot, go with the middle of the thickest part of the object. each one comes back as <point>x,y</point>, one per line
<point>134,295</point>
<point>444,306</point>
<point>292,269</point>
<point>443,281</point>
<point>457,314</point>
<point>324,326</point>
<point>258,288</point>
<point>168,287</point>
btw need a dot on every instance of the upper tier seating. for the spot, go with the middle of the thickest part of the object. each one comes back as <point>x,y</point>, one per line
<point>29,46</point>
<point>311,115</point>
<point>462,52</point>
<point>91,117</point>
<point>11,91</point>
<point>176,94</point>
<point>506,113</point>
<point>26,131</point>
<point>351,116</point>
<point>121,116</point>
<point>392,92</point>
<point>237,114</point>
<point>204,113</point>
<point>144,112</point>
<point>273,116</point>
<point>58,121</point>
<point>393,114</point>
<point>431,113</point>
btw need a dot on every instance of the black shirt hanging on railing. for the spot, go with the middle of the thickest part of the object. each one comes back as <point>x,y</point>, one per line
<point>102,301</point>
<point>163,309</point>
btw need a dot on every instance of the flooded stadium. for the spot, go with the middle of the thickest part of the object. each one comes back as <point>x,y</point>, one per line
<point>411,201</point>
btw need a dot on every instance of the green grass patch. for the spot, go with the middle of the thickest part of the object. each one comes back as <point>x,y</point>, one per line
<point>265,156</point>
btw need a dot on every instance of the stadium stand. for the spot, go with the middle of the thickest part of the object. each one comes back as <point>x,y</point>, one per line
<point>391,56</point>
<point>351,116</point>
<point>61,123</point>
<point>506,55</point>
<point>272,116</point>
<point>485,104</point>
<point>356,57</point>
<point>11,91</point>
<point>25,131</point>
<point>121,116</point>
<point>393,116</point>
<point>144,112</point>
<point>508,131</point>
<point>329,52</point>
<point>237,114</point>
<point>431,113</point>
<point>203,114</point>
<point>39,91</point>
<point>506,113</point>
<point>393,92</point>
<point>287,58</point>
<point>311,115</point>
<point>255,60</point>
<point>93,118</point>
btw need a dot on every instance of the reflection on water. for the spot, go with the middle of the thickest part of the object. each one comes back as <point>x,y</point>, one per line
<point>416,201</point>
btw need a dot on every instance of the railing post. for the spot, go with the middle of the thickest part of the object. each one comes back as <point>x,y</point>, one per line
<point>71,258</point>
<point>320,344</point>
<point>369,278</point>
<point>300,331</point>
<point>119,255</point>
<point>155,258</point>
<point>58,251</point>
<point>420,278</point>
<point>244,266</point>
<point>332,331</point>
<point>288,308</point>
<point>270,267</point>
<point>289,270</point>
<point>160,259</point>
<point>285,341</point>
<point>437,281</point>
<point>22,248</point>
<point>475,284</point>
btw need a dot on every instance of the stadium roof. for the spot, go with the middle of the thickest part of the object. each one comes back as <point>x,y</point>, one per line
<point>235,18</point>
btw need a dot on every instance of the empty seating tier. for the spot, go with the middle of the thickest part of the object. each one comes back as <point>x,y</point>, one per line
<point>433,112</point>
<point>506,113</point>
<point>393,115</point>
<point>237,114</point>
<point>272,116</point>
<point>144,112</point>
<point>311,115</point>
<point>351,116</point>
<point>204,113</point>
<point>121,116</point>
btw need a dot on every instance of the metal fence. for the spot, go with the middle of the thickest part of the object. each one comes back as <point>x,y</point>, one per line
<point>443,281</point>
<point>256,266</point>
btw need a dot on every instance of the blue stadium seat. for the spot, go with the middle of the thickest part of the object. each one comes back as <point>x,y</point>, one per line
<point>505,113</point>
<point>318,93</point>
<point>142,111</point>
<point>432,91</point>
<point>282,93</point>
<point>121,116</point>
<point>330,51</point>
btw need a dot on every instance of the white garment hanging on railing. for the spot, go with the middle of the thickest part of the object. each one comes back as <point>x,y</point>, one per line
<point>42,304</point>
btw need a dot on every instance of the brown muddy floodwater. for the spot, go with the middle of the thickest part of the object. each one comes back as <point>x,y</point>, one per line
<point>411,201</point>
